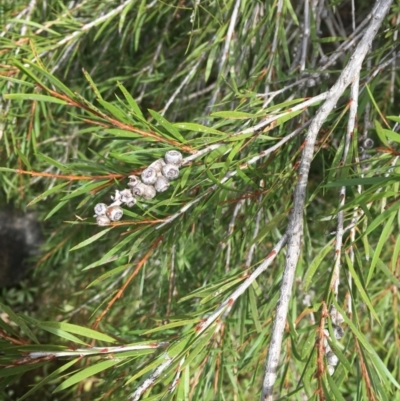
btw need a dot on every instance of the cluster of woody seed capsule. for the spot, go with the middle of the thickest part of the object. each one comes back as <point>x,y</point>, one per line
<point>153,179</point>
<point>331,359</point>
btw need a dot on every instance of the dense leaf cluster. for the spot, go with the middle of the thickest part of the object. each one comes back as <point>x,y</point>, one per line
<point>163,303</point>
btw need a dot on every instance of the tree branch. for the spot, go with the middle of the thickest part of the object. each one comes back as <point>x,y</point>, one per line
<point>295,226</point>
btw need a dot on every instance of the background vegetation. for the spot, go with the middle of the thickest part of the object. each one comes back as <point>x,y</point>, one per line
<point>178,300</point>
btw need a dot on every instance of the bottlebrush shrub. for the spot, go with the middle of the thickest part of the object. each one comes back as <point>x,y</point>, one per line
<point>219,284</point>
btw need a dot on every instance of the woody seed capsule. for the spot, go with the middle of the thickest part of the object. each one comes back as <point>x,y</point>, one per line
<point>173,157</point>
<point>149,176</point>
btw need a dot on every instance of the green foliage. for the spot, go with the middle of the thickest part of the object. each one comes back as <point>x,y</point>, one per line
<point>95,91</point>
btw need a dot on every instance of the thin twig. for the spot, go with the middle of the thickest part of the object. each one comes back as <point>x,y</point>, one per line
<point>171,286</point>
<point>188,77</point>
<point>274,46</point>
<point>250,253</point>
<point>66,177</point>
<point>342,191</point>
<point>226,306</point>
<point>225,53</point>
<point>135,396</point>
<point>231,228</point>
<point>91,351</point>
<point>150,68</point>
<point>394,63</point>
<point>306,35</point>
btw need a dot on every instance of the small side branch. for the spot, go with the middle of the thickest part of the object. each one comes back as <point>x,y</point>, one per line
<point>96,351</point>
<point>226,306</point>
<point>306,35</point>
<point>342,192</point>
<point>228,175</point>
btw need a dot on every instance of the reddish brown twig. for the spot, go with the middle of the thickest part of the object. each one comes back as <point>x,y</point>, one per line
<point>321,352</point>
<point>68,177</point>
<point>122,289</point>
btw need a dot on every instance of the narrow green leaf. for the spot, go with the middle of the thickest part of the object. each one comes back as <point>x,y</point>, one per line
<point>287,117</point>
<point>56,208</point>
<point>110,273</point>
<point>367,197</point>
<point>23,159</point>
<point>28,22</point>
<point>212,55</point>
<point>53,375</point>
<point>7,328</point>
<point>381,134</point>
<point>284,105</point>
<point>14,370</point>
<point>360,287</point>
<point>199,344</point>
<point>29,73</point>
<point>124,134</point>
<point>139,21</point>
<point>288,6</point>
<point>381,218</point>
<point>185,176</point>
<point>85,188</point>
<point>20,322</point>
<point>387,229</point>
<point>240,137</point>
<point>382,266</point>
<point>315,264</point>
<point>92,84</point>
<point>395,254</point>
<point>254,310</point>
<point>379,365</point>
<point>167,125</point>
<point>82,331</point>
<point>51,161</point>
<point>17,81</point>
<point>335,389</point>
<point>119,114</point>
<point>220,290</point>
<point>45,194</point>
<point>205,291</point>
<point>61,333</point>
<point>148,367</point>
<point>33,96</point>
<point>171,325</point>
<point>234,115</point>
<point>394,118</point>
<point>330,39</point>
<point>361,181</point>
<point>56,82</point>
<point>93,238</point>
<point>85,373</point>
<point>393,136</point>
<point>334,344</point>
<point>198,128</point>
<point>179,347</point>
<point>371,96</point>
<point>132,102</point>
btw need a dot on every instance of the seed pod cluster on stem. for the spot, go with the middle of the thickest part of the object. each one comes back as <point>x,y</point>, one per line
<point>154,178</point>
